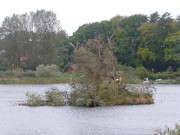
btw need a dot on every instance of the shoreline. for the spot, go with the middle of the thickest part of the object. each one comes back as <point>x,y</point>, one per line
<point>54,80</point>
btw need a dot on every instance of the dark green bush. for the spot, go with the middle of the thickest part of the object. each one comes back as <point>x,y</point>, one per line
<point>141,72</point>
<point>29,73</point>
<point>152,77</point>
<point>169,70</point>
<point>164,75</point>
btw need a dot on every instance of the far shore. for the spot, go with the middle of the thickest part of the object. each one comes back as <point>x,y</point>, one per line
<point>61,80</point>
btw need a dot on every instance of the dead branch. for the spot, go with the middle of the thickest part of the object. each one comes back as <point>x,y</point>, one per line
<point>100,50</point>
<point>110,46</point>
<point>75,46</point>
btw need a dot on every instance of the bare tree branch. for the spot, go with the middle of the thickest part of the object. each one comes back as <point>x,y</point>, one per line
<point>113,35</point>
<point>110,47</point>
<point>75,46</point>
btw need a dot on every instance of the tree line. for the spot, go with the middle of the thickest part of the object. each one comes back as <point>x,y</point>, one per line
<point>31,39</point>
<point>35,38</point>
<point>152,42</point>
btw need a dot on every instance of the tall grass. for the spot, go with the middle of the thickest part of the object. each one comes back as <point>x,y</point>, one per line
<point>168,131</point>
<point>64,78</point>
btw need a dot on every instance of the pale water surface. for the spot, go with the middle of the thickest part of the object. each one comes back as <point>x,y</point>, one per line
<point>68,120</point>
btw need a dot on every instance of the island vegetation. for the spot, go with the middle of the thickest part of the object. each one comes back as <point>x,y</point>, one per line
<point>52,97</point>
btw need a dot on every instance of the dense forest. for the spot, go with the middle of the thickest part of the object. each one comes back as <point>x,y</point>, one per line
<point>35,38</point>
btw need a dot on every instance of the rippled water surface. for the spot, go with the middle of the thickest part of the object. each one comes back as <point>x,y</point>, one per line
<point>68,120</point>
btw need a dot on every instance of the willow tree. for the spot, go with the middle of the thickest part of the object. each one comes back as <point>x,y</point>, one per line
<point>95,67</point>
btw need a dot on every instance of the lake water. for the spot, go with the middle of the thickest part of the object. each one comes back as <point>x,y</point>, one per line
<point>68,120</point>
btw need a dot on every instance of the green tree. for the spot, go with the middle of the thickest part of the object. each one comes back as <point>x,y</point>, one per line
<point>164,24</point>
<point>172,51</point>
<point>91,31</point>
<point>154,17</point>
<point>45,21</point>
<point>126,39</point>
<point>14,45</point>
<point>152,36</point>
<point>33,39</point>
<point>149,49</point>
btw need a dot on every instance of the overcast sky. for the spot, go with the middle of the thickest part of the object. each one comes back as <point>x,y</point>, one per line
<point>74,13</point>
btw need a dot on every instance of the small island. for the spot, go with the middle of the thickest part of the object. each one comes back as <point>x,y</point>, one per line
<point>97,80</point>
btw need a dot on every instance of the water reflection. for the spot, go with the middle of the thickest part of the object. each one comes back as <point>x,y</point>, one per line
<point>67,120</point>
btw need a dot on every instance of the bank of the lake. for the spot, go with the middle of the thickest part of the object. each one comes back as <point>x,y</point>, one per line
<point>128,78</point>
<point>66,79</point>
<point>63,78</point>
<point>165,78</point>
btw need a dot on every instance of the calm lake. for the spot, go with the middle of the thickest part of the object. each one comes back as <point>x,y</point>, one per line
<point>68,120</point>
